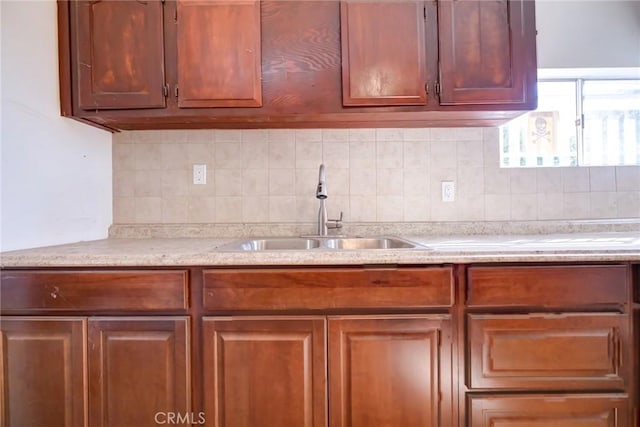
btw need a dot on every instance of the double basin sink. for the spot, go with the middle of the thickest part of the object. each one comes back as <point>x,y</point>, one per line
<point>318,243</point>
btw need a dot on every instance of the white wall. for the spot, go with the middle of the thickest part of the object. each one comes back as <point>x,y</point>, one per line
<point>56,173</point>
<point>588,33</point>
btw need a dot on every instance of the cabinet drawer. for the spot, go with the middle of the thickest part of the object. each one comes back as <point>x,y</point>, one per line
<point>94,290</point>
<point>319,288</point>
<point>560,352</point>
<point>547,286</point>
<point>550,411</point>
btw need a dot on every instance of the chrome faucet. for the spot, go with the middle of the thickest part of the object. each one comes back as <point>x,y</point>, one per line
<point>321,194</point>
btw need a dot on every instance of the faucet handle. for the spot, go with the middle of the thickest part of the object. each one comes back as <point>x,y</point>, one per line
<point>337,223</point>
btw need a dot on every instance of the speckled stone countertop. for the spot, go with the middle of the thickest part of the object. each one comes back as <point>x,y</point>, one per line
<point>574,247</point>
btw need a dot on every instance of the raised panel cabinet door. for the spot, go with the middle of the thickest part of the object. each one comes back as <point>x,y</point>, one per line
<point>264,372</point>
<point>42,372</point>
<point>219,53</point>
<point>487,52</point>
<point>119,48</point>
<point>138,370</point>
<point>589,410</point>
<point>388,371</point>
<point>550,352</point>
<point>383,53</point>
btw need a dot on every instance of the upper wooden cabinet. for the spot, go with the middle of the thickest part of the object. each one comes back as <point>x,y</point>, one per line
<point>487,52</point>
<point>119,47</point>
<point>383,53</point>
<point>219,53</point>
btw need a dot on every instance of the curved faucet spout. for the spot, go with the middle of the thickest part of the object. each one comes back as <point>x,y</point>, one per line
<point>321,191</point>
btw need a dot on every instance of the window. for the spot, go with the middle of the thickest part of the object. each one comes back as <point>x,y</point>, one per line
<point>579,122</point>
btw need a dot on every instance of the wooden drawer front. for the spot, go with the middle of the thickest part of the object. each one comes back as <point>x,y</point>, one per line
<point>93,290</point>
<point>549,411</point>
<point>327,288</point>
<point>549,352</point>
<point>547,286</point>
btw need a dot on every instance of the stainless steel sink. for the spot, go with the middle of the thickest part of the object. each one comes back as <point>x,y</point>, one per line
<point>368,243</point>
<point>332,243</point>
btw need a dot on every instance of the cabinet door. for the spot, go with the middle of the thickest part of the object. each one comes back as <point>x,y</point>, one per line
<point>487,52</point>
<point>264,372</point>
<point>219,57</point>
<point>549,411</point>
<point>386,371</point>
<point>42,372</point>
<point>138,370</point>
<point>119,49</point>
<point>383,53</point>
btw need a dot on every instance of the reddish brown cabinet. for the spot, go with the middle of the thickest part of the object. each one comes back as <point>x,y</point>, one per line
<point>263,372</point>
<point>487,54</point>
<point>389,370</point>
<point>42,368</point>
<point>383,52</point>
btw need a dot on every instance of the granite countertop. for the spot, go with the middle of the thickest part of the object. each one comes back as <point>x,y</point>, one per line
<point>116,252</point>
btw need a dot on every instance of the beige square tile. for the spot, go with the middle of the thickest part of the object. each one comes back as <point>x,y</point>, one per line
<point>470,180</point>
<point>123,183</point>
<point>436,176</point>
<point>628,178</point>
<point>362,182</point>
<point>175,183</point>
<point>306,182</point>
<point>123,137</point>
<point>308,135</point>
<point>362,135</point>
<point>550,206</point>
<point>148,210</point>
<point>576,205</point>
<point>335,155</point>
<point>470,153</point>
<point>602,178</point>
<point>228,135</point>
<point>338,182</point>
<point>416,208</point>
<point>123,157</point>
<point>228,209</point>
<point>491,147</point>
<point>443,154</point>
<point>549,180</point>
<point>255,209</point>
<point>208,189</point>
<point>228,182</point>
<point>443,134</point>
<point>362,208</point>
<point>282,154</point>
<point>124,210</point>
<point>198,154</point>
<point>497,207</point>
<point>335,135</point>
<point>228,155</point>
<point>524,207</point>
<point>417,134</point>
<point>471,207</point>
<point>389,154</point>
<point>255,155</point>
<point>444,211</point>
<point>389,134</point>
<point>308,154</point>
<point>306,209</point>
<point>628,204</point>
<point>416,183</point>
<point>281,182</point>
<point>148,136</point>
<point>255,182</point>
<point>362,154</point>
<point>575,179</point>
<point>255,135</point>
<point>524,181</point>
<point>204,210</point>
<point>497,181</point>
<point>282,135</point>
<point>469,134</point>
<point>175,156</point>
<point>390,208</point>
<point>147,156</point>
<point>390,182</point>
<point>175,210</point>
<point>604,205</point>
<point>198,136</point>
<point>335,205</point>
<point>148,183</point>
<point>416,154</point>
<point>282,209</point>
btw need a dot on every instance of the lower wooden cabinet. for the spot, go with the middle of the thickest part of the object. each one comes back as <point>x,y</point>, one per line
<point>549,411</point>
<point>137,370</point>
<point>271,371</point>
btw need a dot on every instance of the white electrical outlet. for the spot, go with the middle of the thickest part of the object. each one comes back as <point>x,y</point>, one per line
<point>199,174</point>
<point>448,191</point>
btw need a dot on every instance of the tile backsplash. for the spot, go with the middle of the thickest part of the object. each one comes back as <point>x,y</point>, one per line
<point>373,175</point>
